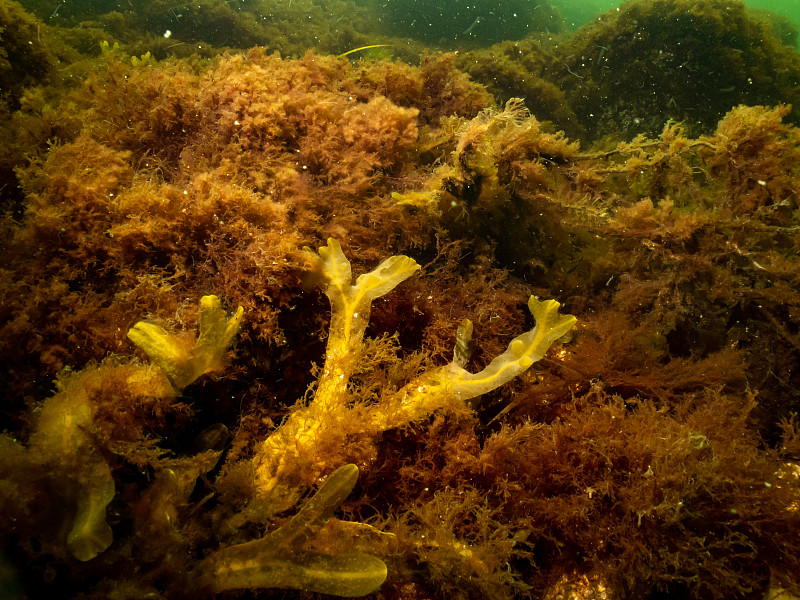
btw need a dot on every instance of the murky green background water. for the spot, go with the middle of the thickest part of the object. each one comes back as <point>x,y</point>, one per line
<point>578,12</point>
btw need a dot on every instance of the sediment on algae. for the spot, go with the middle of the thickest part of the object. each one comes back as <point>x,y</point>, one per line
<point>654,447</point>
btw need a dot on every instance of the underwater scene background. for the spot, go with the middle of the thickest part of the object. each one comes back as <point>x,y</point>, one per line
<point>403,299</point>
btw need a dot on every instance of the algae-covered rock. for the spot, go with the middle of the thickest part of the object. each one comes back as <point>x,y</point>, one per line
<point>24,57</point>
<point>633,69</point>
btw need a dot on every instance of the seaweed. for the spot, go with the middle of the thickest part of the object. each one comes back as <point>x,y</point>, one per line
<point>425,443</point>
<point>278,559</point>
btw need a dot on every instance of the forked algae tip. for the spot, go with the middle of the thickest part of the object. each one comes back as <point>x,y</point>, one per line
<point>522,352</point>
<point>183,363</point>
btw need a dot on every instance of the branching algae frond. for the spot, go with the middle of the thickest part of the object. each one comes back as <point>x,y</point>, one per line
<point>281,559</point>
<point>60,441</point>
<point>350,308</point>
<point>311,551</point>
<point>184,362</point>
<point>522,352</point>
<point>318,438</point>
<point>73,435</point>
<point>315,437</point>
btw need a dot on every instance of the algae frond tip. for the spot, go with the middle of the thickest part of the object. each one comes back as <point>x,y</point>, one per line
<point>522,352</point>
<point>281,559</point>
<point>183,363</point>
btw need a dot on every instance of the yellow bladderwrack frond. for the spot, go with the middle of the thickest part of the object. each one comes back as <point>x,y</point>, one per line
<point>350,304</point>
<point>432,390</point>
<point>308,441</point>
<point>184,362</point>
<point>281,559</point>
<point>522,352</point>
<point>350,307</point>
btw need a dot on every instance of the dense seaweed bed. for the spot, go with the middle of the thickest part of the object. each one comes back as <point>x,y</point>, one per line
<point>652,452</point>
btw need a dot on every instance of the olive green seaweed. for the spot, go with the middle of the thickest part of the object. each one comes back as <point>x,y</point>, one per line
<point>60,441</point>
<point>278,560</point>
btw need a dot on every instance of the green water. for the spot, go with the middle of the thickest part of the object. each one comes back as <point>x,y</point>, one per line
<point>578,12</point>
<point>789,8</point>
<point>471,23</point>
